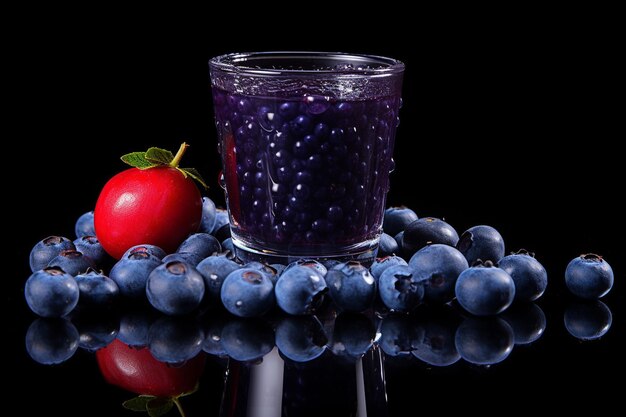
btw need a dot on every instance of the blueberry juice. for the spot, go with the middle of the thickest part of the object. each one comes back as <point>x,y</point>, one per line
<point>306,141</point>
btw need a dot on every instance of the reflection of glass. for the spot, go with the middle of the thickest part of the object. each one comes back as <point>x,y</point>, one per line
<point>306,140</point>
<point>587,320</point>
<point>484,341</point>
<point>527,321</point>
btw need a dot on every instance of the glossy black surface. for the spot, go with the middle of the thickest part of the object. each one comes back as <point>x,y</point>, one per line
<point>496,109</point>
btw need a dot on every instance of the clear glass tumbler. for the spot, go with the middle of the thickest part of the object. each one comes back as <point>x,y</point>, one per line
<point>306,140</point>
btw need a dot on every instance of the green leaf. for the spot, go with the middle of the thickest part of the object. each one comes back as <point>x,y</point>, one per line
<point>159,406</point>
<point>138,403</point>
<point>193,173</point>
<point>159,156</point>
<point>137,160</point>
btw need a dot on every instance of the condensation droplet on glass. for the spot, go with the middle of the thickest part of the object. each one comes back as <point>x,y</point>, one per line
<point>400,103</point>
<point>392,165</point>
<point>221,180</point>
<point>397,121</point>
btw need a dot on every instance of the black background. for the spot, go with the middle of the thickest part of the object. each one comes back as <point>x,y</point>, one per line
<point>511,124</point>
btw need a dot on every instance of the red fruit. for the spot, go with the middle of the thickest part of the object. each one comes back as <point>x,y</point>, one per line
<point>137,371</point>
<point>158,204</point>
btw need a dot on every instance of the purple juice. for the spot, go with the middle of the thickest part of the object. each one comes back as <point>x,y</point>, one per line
<point>306,174</point>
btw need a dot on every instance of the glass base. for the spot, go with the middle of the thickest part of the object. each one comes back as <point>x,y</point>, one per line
<point>364,252</point>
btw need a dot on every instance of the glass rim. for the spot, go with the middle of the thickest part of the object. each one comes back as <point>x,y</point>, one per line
<point>371,65</point>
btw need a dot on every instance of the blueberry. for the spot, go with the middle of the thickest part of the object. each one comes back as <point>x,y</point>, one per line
<point>589,276</point>
<point>227,245</point>
<point>209,215</point>
<point>484,290</point>
<point>481,242</point>
<point>288,110</point>
<point>399,238</point>
<point>300,290</point>
<point>51,341</point>
<point>301,338</point>
<point>309,263</point>
<point>387,246</point>
<point>266,269</point>
<point>426,231</point>
<point>187,257</point>
<point>175,288</point>
<point>153,250</point>
<point>351,286</point>
<point>95,331</point>
<point>90,247</point>
<point>221,219</point>
<point>438,266</point>
<point>438,329</point>
<point>200,244</point>
<point>135,326</point>
<point>214,271</point>
<point>84,225</point>
<point>247,339</point>
<point>131,273</point>
<point>175,339</point>
<point>47,249</point>
<point>398,335</point>
<point>247,292</point>
<point>353,335</point>
<point>222,233</point>
<point>529,276</point>
<point>72,262</point>
<point>380,264</point>
<point>587,320</point>
<point>96,289</point>
<point>396,219</point>
<point>484,341</point>
<point>51,292</point>
<point>399,289</point>
<point>527,321</point>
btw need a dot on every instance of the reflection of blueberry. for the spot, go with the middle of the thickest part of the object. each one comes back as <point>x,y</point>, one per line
<point>398,335</point>
<point>96,289</point>
<point>380,264</point>
<point>247,292</point>
<point>484,341</point>
<point>353,335</point>
<point>214,270</point>
<point>588,320</point>
<point>84,225</point>
<point>481,242</point>
<point>51,292</point>
<point>300,290</point>
<point>397,219</point>
<point>351,286</point>
<point>175,339</point>
<point>201,245</point>
<point>212,327</point>
<point>484,290</point>
<point>300,339</point>
<point>175,288</point>
<point>135,325</point>
<point>399,289</point>
<point>437,346</point>
<point>589,276</point>
<point>426,231</point>
<point>529,276</point>
<point>438,266</point>
<point>527,321</point>
<point>47,249</point>
<point>51,341</point>
<point>247,339</point>
<point>95,330</point>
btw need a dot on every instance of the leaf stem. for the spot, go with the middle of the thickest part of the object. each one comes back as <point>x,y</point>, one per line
<point>179,155</point>
<point>179,406</point>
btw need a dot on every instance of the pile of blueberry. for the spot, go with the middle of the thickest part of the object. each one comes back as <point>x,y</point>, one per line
<point>426,262</point>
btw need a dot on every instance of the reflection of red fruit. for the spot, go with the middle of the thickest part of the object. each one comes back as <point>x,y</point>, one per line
<point>230,175</point>
<point>137,371</point>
